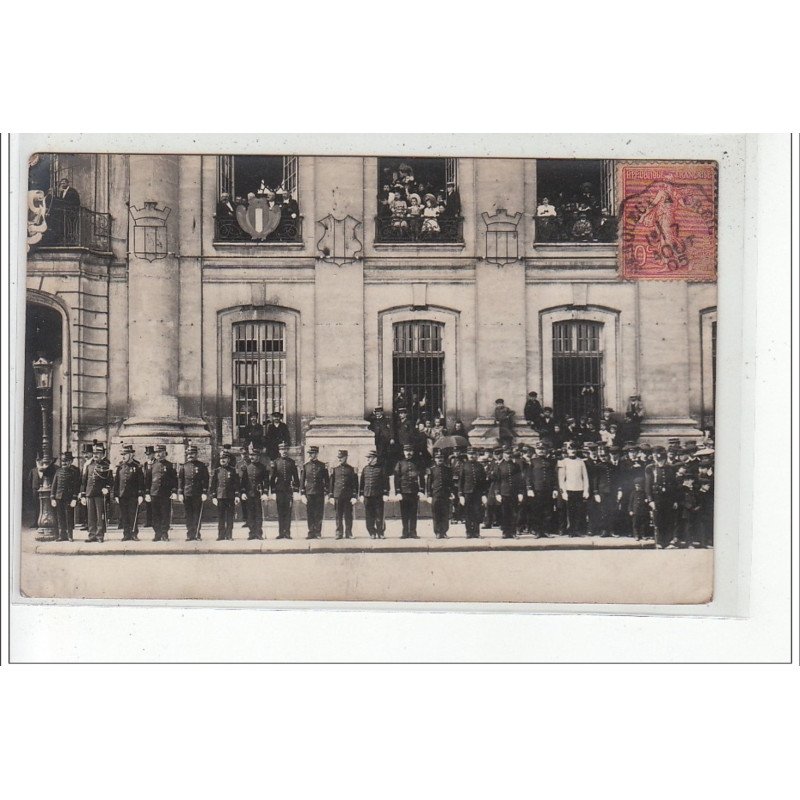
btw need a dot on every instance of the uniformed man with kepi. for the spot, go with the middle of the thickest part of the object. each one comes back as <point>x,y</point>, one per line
<point>253,480</point>
<point>314,484</point>
<point>128,491</point>
<point>373,487</point>
<point>542,482</point>
<point>408,485</point>
<point>224,491</point>
<point>508,491</point>
<point>160,490</point>
<point>660,490</point>
<point>284,482</point>
<point>64,494</point>
<point>95,487</point>
<point>439,490</point>
<point>193,483</point>
<point>472,487</point>
<point>344,491</point>
<point>149,460</point>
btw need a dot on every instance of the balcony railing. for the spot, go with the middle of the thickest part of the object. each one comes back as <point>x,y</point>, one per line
<point>289,230</point>
<point>413,230</point>
<point>575,229</point>
<point>78,227</point>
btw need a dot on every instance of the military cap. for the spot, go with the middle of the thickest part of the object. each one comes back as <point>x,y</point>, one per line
<point>472,450</point>
<point>98,447</point>
<point>67,455</point>
<point>277,415</point>
<point>127,448</point>
<point>225,453</point>
<point>342,454</point>
<point>378,408</point>
<point>613,449</point>
<point>313,449</point>
<point>283,445</point>
<point>590,446</point>
<point>149,449</point>
<point>658,451</point>
<point>533,394</point>
<point>645,446</point>
<point>450,183</point>
<point>499,400</point>
<point>601,446</point>
<point>402,410</point>
<point>372,454</point>
<point>547,408</point>
<point>408,448</point>
<point>161,448</point>
<point>191,448</point>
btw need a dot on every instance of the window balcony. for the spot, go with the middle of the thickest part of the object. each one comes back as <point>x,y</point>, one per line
<point>77,227</point>
<point>228,231</point>
<point>414,230</point>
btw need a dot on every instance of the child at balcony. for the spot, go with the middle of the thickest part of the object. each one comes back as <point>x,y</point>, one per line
<point>430,213</point>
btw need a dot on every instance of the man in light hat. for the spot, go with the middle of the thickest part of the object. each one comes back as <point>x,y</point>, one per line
<point>128,491</point>
<point>160,490</point>
<point>408,485</point>
<point>224,490</point>
<point>64,494</point>
<point>373,486</point>
<point>314,484</point>
<point>344,491</point>
<point>439,488</point>
<point>277,432</point>
<point>284,482</point>
<point>193,482</point>
<point>96,484</point>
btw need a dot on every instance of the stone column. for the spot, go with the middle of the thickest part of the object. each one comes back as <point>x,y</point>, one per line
<point>154,311</point>
<point>500,298</point>
<point>339,313</point>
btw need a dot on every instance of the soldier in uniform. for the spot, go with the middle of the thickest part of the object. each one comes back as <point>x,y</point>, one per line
<point>457,462</point>
<point>506,488</point>
<point>224,490</point>
<point>492,517</point>
<point>601,488</point>
<point>660,490</point>
<point>64,494</point>
<point>408,485</point>
<point>314,484</point>
<point>439,490</point>
<point>277,433</point>
<point>193,482</point>
<point>95,487</point>
<point>128,491</point>
<point>160,490</point>
<point>472,487</point>
<point>638,509</point>
<point>284,482</point>
<point>344,495</point>
<point>253,485</point>
<point>573,482</point>
<point>149,460</point>
<point>542,482</point>
<point>373,486</point>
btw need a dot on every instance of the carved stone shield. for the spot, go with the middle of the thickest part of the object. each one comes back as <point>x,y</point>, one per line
<point>150,232</point>
<point>502,237</point>
<point>339,243</point>
<point>257,218</point>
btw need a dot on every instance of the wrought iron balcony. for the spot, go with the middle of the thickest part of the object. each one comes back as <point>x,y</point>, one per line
<point>228,230</point>
<point>572,228</point>
<point>78,227</point>
<point>413,230</point>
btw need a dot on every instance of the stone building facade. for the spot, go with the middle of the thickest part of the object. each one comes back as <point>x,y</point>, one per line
<point>164,327</point>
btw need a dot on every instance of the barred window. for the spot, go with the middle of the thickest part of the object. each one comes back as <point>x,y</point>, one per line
<point>418,368</point>
<point>577,367</point>
<point>259,371</point>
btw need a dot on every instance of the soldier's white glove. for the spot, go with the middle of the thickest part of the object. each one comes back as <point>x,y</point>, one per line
<point>264,496</point>
<point>421,494</point>
<point>236,501</point>
<point>331,500</point>
<point>303,499</point>
<point>564,495</point>
<point>244,496</point>
<point>53,503</point>
<point>597,498</point>
<point>461,500</point>
<point>530,492</point>
<point>619,494</point>
<point>83,501</point>
<point>555,494</point>
<point>353,501</point>
<point>180,498</point>
<point>520,497</point>
<point>104,490</point>
<point>116,500</point>
<point>586,495</point>
<point>148,498</point>
<point>215,501</point>
<point>204,497</point>
<point>484,499</point>
<point>73,503</point>
<point>652,505</point>
<point>499,498</point>
<point>173,496</point>
<point>139,500</point>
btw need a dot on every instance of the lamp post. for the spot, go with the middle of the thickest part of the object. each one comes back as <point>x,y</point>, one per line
<point>43,377</point>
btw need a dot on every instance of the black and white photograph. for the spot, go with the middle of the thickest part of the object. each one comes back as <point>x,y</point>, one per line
<point>398,377</point>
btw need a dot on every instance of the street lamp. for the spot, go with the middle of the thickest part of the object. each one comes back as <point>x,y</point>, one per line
<point>43,379</point>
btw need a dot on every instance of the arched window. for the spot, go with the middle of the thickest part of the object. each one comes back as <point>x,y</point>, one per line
<point>259,371</point>
<point>577,367</point>
<point>418,368</point>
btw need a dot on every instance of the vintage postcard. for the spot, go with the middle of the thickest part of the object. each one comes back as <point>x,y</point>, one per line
<point>265,375</point>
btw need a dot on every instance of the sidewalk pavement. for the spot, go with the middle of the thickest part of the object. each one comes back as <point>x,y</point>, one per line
<point>491,540</point>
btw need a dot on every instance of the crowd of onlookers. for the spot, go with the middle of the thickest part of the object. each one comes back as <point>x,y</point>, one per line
<point>411,207</point>
<point>577,217</point>
<point>278,198</point>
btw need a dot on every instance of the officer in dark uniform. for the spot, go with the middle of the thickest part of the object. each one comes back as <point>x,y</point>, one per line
<point>314,484</point>
<point>95,487</point>
<point>160,490</point>
<point>601,489</point>
<point>66,488</point>
<point>277,433</point>
<point>506,488</point>
<point>472,486</point>
<point>661,496</point>
<point>128,491</point>
<point>224,490</point>
<point>439,488</point>
<point>492,517</point>
<point>284,482</point>
<point>253,484</point>
<point>149,460</point>
<point>408,485</point>
<point>542,482</point>
<point>373,486</point>
<point>344,495</point>
<point>193,482</point>
<point>457,461</point>
<point>381,427</point>
<point>405,434</point>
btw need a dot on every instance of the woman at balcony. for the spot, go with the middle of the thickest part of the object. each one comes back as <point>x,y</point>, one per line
<point>430,222</point>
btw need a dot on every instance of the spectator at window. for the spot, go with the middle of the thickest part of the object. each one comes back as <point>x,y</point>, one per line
<point>399,212</point>
<point>225,209</point>
<point>545,208</point>
<point>430,214</point>
<point>607,228</point>
<point>289,207</point>
<point>452,201</point>
<point>65,196</point>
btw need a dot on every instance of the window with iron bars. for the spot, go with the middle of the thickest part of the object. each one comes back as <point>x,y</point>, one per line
<point>259,372</point>
<point>418,369</point>
<point>577,368</point>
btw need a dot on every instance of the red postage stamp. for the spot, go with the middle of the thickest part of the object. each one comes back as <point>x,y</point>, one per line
<point>668,220</point>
